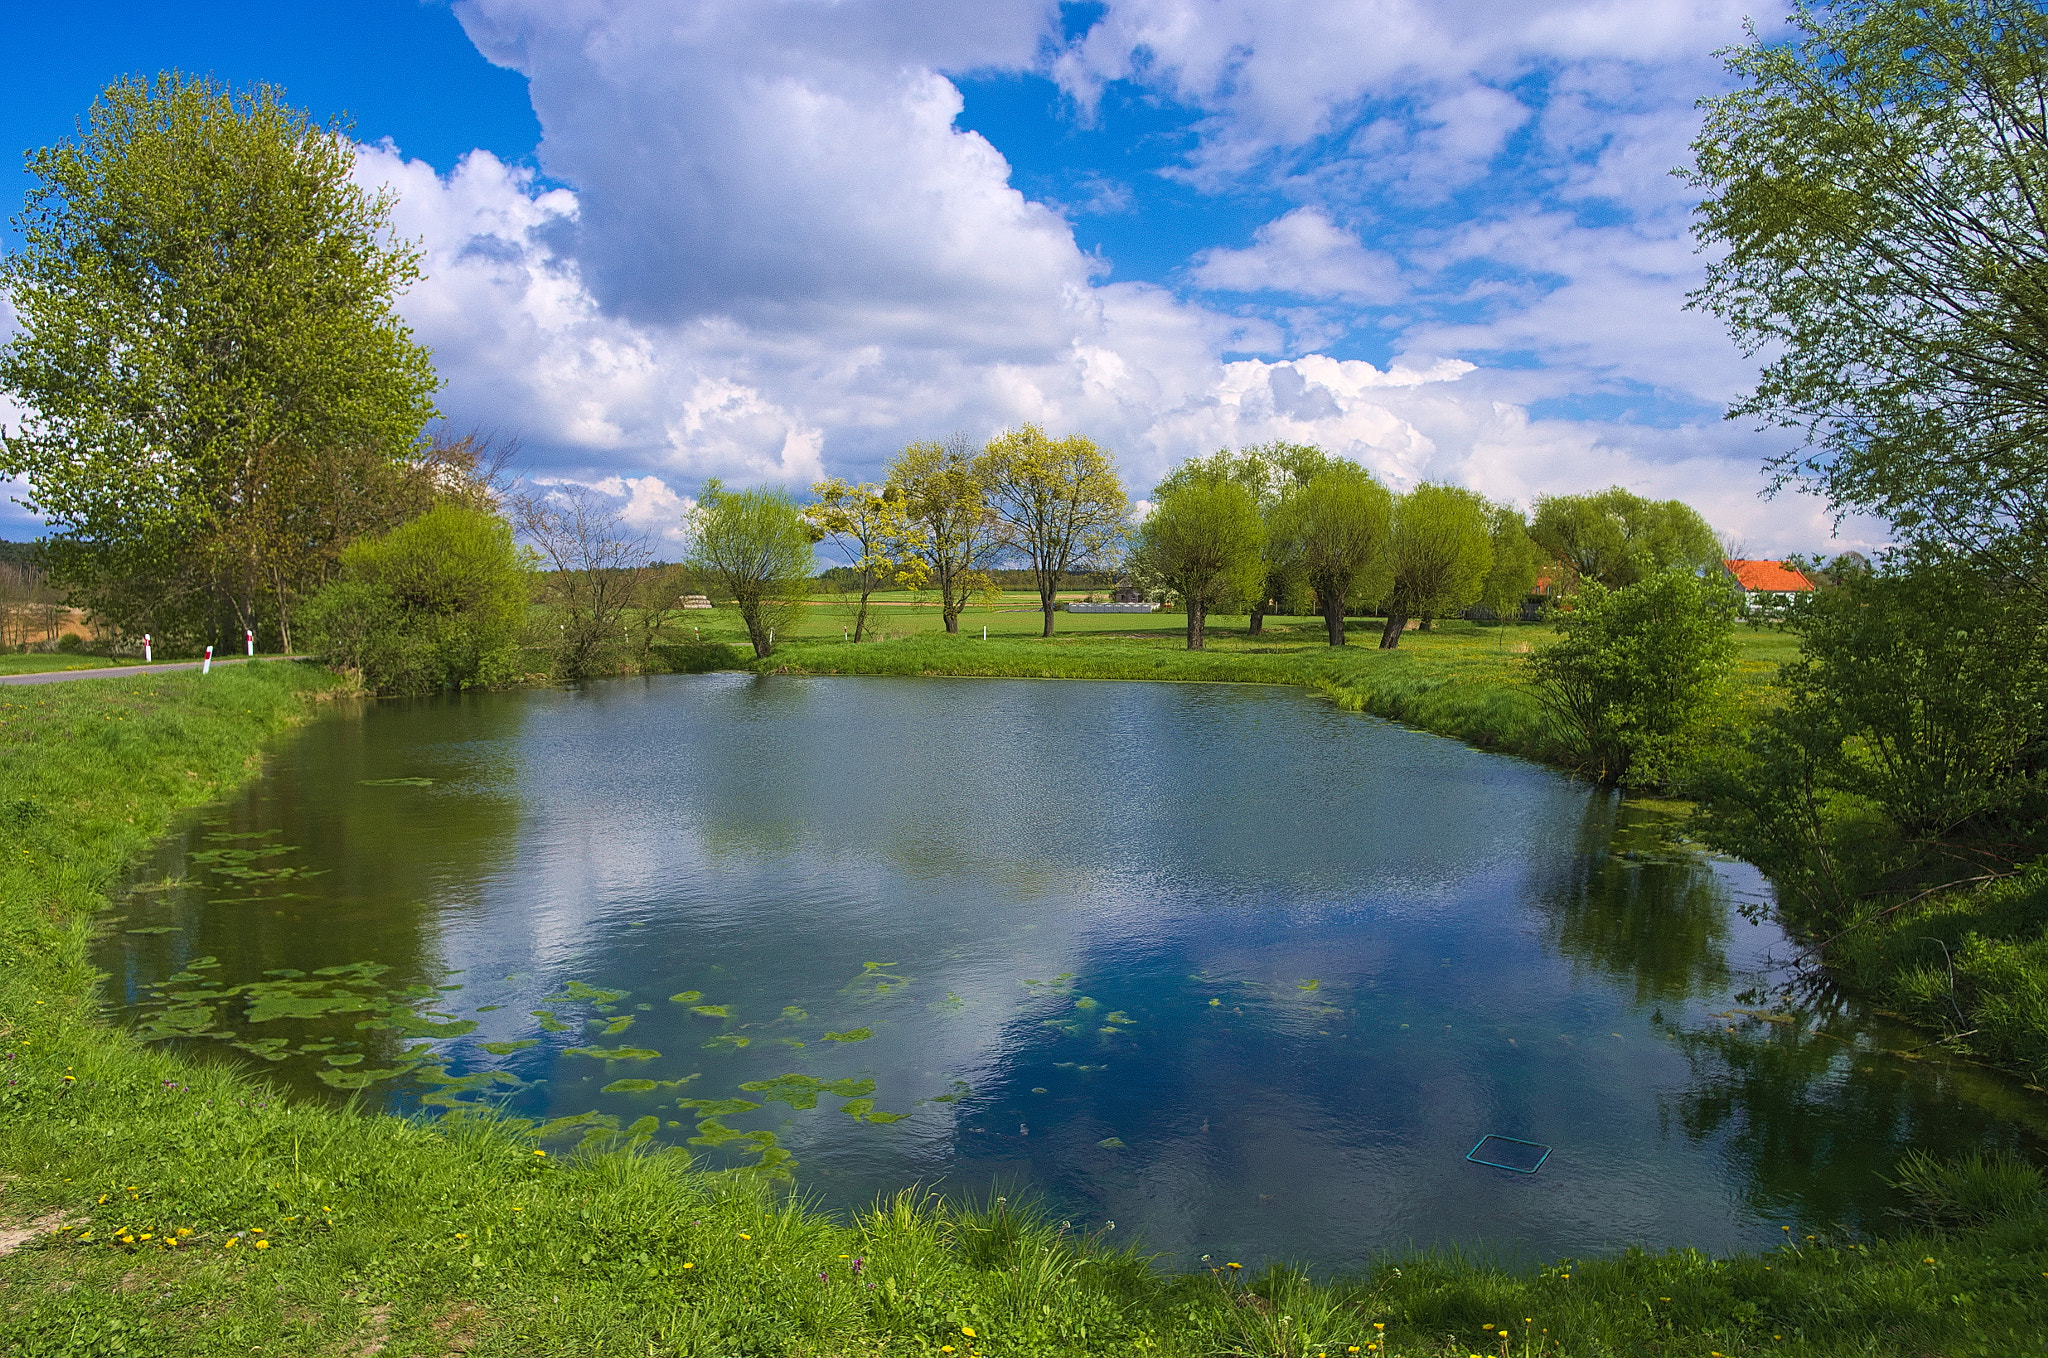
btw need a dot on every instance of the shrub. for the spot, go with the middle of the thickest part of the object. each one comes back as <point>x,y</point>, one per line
<point>435,603</point>
<point>1636,670</point>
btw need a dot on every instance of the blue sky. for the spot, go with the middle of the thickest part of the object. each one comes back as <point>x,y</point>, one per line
<point>775,240</point>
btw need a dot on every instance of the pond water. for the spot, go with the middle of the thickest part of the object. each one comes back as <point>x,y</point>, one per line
<point>1243,974</point>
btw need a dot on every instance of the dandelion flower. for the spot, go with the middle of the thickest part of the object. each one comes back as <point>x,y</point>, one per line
<point>542,1154</point>
<point>945,1348</point>
<point>745,1236</point>
<point>229,1243</point>
<point>147,1236</point>
<point>1930,1259</point>
<point>689,1266</point>
<point>263,1244</point>
<point>967,1330</point>
<point>1233,1266</point>
<point>1379,1325</point>
<point>184,1230</point>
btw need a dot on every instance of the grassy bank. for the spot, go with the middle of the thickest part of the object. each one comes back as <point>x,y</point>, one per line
<point>303,1228</point>
<point>1460,679</point>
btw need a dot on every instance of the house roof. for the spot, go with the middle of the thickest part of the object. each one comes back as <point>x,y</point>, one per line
<point>1773,577</point>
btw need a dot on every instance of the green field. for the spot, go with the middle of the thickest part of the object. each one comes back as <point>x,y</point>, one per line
<point>44,664</point>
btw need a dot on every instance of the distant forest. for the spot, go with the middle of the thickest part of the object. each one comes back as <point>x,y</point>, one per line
<point>17,553</point>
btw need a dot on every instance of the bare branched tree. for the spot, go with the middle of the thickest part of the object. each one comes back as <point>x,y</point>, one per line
<point>590,568</point>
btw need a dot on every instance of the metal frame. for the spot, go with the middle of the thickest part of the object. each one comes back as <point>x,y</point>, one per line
<point>1473,1154</point>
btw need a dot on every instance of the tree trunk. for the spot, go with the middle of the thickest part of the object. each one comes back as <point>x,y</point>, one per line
<point>1258,618</point>
<point>1427,619</point>
<point>1196,618</point>
<point>860,619</point>
<point>1048,595</point>
<point>952,618</point>
<point>1390,635</point>
<point>751,614</point>
<point>1333,617</point>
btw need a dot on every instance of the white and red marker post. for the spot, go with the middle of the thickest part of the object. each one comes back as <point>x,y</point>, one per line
<point>249,638</point>
<point>207,667</point>
<point>145,648</point>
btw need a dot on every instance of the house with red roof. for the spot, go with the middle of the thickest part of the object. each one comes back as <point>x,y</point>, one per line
<point>1767,585</point>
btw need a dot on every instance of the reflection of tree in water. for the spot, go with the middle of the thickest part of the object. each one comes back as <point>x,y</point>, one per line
<point>1628,907</point>
<point>370,828</point>
<point>1815,1122</point>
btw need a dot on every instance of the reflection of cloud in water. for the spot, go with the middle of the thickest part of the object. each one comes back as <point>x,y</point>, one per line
<point>1310,957</point>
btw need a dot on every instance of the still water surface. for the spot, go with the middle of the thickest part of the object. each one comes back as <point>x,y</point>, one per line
<point>1244,974</point>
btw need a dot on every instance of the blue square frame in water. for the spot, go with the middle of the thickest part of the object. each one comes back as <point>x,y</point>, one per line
<point>1507,1152</point>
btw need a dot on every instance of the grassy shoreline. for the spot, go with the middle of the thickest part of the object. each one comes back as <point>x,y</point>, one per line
<point>308,1228</point>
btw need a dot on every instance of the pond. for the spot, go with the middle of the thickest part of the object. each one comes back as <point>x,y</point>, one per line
<point>1243,974</point>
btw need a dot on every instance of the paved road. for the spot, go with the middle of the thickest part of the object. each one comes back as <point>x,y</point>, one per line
<point>127,671</point>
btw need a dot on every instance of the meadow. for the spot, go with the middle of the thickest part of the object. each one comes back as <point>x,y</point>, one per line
<point>152,1204</point>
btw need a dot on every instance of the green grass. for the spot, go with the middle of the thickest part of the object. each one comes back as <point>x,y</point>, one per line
<point>400,1237</point>
<point>43,664</point>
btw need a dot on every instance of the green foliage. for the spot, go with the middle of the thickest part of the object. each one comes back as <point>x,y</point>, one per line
<point>950,531</point>
<point>1871,211</point>
<point>436,603</point>
<point>1205,541</point>
<point>211,372</point>
<point>756,546</point>
<point>1635,672</point>
<point>1913,738</point>
<point>1517,561</point>
<point>1440,552</point>
<point>1059,501</point>
<point>1617,538</point>
<point>1333,528</point>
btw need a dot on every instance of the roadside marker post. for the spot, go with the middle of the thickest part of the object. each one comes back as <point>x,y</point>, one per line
<point>207,666</point>
<point>250,638</point>
<point>145,648</point>
<point>984,631</point>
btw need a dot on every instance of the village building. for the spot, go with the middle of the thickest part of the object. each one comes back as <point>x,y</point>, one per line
<point>1767,586</point>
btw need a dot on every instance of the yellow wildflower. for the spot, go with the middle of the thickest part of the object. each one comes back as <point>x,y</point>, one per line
<point>689,1266</point>
<point>263,1244</point>
<point>967,1330</point>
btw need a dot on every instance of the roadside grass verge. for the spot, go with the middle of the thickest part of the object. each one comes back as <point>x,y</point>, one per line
<point>305,1227</point>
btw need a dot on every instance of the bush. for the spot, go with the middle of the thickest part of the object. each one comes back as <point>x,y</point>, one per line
<point>435,603</point>
<point>1636,671</point>
<point>71,643</point>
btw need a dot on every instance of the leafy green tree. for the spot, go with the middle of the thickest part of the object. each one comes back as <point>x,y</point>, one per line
<point>1059,501</point>
<point>1872,201</point>
<point>952,531</point>
<point>436,603</point>
<point>1334,526</point>
<point>755,546</point>
<point>1635,670</point>
<point>1517,561</point>
<point>865,522</point>
<point>1914,730</point>
<point>1440,551</point>
<point>1204,540</point>
<point>207,358</point>
<point>1618,538</point>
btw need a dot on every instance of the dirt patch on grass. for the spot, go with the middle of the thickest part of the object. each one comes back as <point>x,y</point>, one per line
<point>13,1237</point>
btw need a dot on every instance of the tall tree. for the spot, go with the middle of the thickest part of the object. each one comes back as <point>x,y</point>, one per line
<point>1517,561</point>
<point>951,529</point>
<point>1060,503</point>
<point>755,545</point>
<point>204,297</point>
<point>1334,525</point>
<point>1617,537</point>
<point>866,522</point>
<point>1204,540</point>
<point>1440,551</point>
<point>1875,199</point>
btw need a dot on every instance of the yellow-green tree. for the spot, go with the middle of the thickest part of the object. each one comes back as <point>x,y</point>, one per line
<point>1617,537</point>
<point>1440,551</point>
<point>755,546</point>
<point>1204,540</point>
<point>1517,561</point>
<point>866,522</point>
<point>1333,526</point>
<point>950,529</point>
<point>1059,501</point>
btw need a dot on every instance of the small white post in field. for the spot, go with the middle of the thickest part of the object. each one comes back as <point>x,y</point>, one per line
<point>207,667</point>
<point>984,631</point>
<point>145,648</point>
<point>249,637</point>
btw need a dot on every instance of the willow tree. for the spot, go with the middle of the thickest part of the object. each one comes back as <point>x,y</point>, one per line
<point>1617,537</point>
<point>1440,551</point>
<point>1060,503</point>
<point>206,330</point>
<point>1205,540</point>
<point>756,547</point>
<point>1333,526</point>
